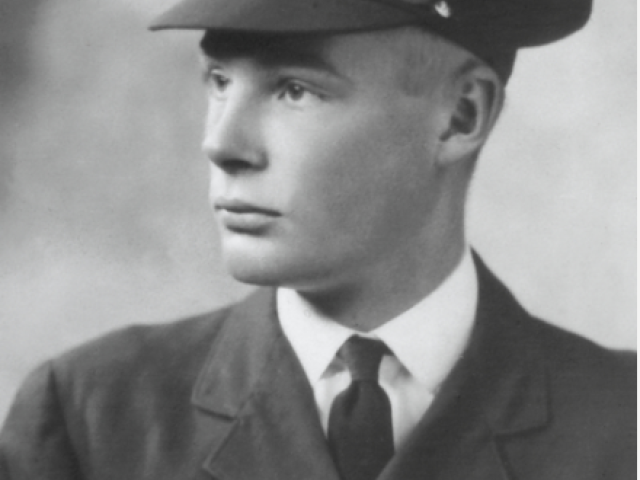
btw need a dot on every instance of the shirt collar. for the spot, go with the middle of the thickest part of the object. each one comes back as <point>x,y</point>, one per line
<point>427,339</point>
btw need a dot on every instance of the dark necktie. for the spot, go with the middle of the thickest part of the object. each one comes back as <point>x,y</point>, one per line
<point>360,428</point>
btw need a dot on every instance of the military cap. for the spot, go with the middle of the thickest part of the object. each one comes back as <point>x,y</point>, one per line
<point>493,30</point>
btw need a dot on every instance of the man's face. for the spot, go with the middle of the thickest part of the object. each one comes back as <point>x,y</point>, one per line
<point>322,167</point>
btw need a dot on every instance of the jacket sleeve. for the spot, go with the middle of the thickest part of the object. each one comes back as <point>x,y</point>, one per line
<point>34,442</point>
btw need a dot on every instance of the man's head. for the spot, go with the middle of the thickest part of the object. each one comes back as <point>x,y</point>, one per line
<point>360,145</point>
<point>342,133</point>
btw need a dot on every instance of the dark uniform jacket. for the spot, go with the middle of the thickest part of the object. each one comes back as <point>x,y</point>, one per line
<point>223,396</point>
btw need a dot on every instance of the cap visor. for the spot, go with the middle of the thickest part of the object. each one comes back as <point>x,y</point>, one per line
<point>282,15</point>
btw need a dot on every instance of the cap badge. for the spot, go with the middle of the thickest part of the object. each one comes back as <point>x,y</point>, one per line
<point>442,8</point>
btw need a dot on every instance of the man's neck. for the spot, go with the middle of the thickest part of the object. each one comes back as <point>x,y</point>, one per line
<point>386,291</point>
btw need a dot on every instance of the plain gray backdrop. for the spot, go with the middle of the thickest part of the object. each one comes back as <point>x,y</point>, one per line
<point>104,218</point>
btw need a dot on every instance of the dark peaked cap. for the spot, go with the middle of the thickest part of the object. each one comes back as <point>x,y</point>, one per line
<point>493,30</point>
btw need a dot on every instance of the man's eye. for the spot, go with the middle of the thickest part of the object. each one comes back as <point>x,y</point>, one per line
<point>219,81</point>
<point>216,81</point>
<point>296,92</point>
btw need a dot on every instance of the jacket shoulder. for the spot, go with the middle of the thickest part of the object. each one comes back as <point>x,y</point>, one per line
<point>587,380</point>
<point>576,357</point>
<point>139,358</point>
<point>572,362</point>
<point>100,400</point>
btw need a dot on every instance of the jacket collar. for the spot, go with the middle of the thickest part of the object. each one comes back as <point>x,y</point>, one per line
<point>496,392</point>
<point>268,424</point>
<point>254,386</point>
<point>503,363</point>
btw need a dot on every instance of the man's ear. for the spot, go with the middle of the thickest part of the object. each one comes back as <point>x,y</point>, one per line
<point>477,97</point>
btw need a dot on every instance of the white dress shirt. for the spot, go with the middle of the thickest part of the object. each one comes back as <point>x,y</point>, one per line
<point>426,342</point>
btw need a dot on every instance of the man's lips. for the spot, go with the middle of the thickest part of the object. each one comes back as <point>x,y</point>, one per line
<point>242,207</point>
<point>243,217</point>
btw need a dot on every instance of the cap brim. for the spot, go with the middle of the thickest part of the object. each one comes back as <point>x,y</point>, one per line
<point>282,16</point>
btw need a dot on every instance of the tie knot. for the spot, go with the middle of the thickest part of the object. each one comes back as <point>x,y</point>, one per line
<point>363,357</point>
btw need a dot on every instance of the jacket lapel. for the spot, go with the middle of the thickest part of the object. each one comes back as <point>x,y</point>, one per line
<point>265,421</point>
<point>496,393</point>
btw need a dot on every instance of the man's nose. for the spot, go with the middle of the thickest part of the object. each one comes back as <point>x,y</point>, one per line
<point>232,138</point>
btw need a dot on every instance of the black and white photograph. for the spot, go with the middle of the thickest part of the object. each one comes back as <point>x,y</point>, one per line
<point>318,240</point>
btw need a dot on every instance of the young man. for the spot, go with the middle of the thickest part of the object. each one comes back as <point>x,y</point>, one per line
<point>342,136</point>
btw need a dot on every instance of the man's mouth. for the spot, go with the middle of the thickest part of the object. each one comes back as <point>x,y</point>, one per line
<point>244,217</point>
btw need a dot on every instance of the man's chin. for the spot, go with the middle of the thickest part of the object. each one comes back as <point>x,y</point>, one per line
<point>272,272</point>
<point>255,271</point>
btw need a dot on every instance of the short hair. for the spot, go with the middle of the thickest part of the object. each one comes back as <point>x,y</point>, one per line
<point>430,60</point>
<point>427,60</point>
